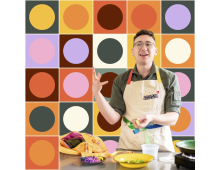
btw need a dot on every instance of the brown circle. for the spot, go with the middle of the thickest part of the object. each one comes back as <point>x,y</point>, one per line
<point>110,17</point>
<point>106,126</point>
<point>107,88</point>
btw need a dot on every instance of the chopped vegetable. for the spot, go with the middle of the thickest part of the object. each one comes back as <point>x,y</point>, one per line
<point>91,159</point>
<point>138,123</point>
<point>100,158</point>
<point>134,161</point>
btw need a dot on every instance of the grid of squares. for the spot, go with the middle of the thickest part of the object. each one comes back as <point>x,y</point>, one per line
<point>66,38</point>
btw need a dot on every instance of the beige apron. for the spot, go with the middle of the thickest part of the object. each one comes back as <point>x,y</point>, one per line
<point>137,102</point>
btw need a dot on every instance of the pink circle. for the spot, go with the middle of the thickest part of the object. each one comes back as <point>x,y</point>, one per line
<point>111,145</point>
<point>42,51</point>
<point>184,82</point>
<point>76,85</point>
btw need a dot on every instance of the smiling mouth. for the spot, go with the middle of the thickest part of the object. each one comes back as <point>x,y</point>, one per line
<point>143,55</point>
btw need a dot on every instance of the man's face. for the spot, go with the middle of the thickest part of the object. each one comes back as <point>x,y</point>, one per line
<point>144,55</point>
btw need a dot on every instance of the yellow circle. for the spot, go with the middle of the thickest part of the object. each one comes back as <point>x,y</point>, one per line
<point>42,17</point>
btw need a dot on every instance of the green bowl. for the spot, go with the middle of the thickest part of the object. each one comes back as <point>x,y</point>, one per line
<point>186,146</point>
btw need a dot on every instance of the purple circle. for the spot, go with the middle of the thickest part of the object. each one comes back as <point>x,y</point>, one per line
<point>177,17</point>
<point>76,51</point>
<point>76,85</point>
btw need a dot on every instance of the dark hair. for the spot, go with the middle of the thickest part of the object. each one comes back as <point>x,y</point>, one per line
<point>144,32</point>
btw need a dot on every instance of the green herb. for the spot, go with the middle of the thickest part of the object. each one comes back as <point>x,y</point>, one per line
<point>134,161</point>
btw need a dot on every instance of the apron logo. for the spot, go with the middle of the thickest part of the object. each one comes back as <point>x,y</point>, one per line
<point>152,96</point>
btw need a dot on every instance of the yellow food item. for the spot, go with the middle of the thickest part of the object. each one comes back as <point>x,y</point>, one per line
<point>100,158</point>
<point>138,123</point>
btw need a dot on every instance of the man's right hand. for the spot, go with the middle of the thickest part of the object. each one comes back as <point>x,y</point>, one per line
<point>97,85</point>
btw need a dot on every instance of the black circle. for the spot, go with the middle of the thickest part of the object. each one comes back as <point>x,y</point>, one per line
<point>42,118</point>
<point>110,51</point>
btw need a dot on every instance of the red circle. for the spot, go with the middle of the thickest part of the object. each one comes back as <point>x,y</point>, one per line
<point>42,85</point>
<point>144,16</point>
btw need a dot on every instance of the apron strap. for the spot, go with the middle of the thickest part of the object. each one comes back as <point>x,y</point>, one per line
<point>131,126</point>
<point>146,137</point>
<point>158,75</point>
<point>129,78</point>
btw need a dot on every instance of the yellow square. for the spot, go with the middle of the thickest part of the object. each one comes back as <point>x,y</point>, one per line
<point>97,130</point>
<point>131,59</point>
<point>85,17</point>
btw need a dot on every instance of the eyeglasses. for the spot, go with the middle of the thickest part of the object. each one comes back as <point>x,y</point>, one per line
<point>139,45</point>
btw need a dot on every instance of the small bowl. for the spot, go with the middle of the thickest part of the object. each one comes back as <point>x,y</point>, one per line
<point>93,163</point>
<point>134,156</point>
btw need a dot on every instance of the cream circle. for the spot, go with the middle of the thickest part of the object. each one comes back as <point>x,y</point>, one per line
<point>178,51</point>
<point>76,118</point>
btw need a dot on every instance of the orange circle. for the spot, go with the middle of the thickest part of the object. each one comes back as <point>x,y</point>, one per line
<point>42,84</point>
<point>76,17</point>
<point>183,122</point>
<point>42,153</point>
<point>144,16</point>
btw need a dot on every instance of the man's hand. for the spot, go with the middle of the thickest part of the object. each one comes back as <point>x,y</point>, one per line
<point>97,85</point>
<point>144,121</point>
<point>167,119</point>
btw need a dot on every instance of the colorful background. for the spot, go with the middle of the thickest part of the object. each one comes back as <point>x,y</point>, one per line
<point>65,39</point>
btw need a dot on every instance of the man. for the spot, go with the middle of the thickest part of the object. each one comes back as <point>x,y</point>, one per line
<point>146,93</point>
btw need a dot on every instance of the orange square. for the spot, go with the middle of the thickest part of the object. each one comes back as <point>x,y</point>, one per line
<point>42,153</point>
<point>114,25</point>
<point>87,74</point>
<point>190,39</point>
<point>144,15</point>
<point>31,129</point>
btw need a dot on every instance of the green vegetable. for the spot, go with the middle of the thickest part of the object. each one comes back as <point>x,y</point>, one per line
<point>134,161</point>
